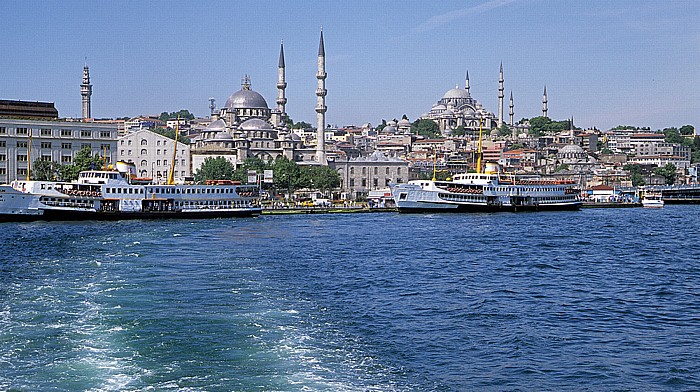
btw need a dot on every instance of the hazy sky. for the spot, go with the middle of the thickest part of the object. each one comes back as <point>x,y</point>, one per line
<point>604,62</point>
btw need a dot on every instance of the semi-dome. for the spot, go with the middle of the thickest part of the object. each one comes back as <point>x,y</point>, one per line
<point>218,125</point>
<point>223,135</point>
<point>246,99</point>
<point>456,93</point>
<point>255,124</point>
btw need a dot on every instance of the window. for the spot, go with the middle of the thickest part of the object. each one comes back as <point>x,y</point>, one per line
<point>22,131</point>
<point>144,152</point>
<point>158,143</point>
<point>105,147</point>
<point>398,170</point>
<point>364,182</point>
<point>21,158</point>
<point>66,132</point>
<point>376,170</point>
<point>158,151</point>
<point>129,142</point>
<point>21,144</point>
<point>364,171</point>
<point>105,134</point>
<point>21,172</point>
<point>45,132</point>
<point>387,170</point>
<point>46,158</point>
<point>3,171</point>
<point>375,182</point>
<point>85,133</point>
<point>144,163</point>
<point>85,145</point>
<point>3,143</point>
<point>3,131</point>
<point>45,144</point>
<point>66,146</point>
<point>3,157</point>
<point>352,170</point>
<point>352,182</point>
<point>129,152</point>
<point>144,142</point>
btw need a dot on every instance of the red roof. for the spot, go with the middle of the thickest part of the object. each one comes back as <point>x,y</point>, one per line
<point>602,188</point>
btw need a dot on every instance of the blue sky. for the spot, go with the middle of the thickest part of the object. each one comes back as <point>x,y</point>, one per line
<point>604,62</point>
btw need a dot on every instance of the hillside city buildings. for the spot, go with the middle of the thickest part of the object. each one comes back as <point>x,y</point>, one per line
<point>366,157</point>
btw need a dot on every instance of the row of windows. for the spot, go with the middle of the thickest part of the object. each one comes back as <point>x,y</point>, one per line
<point>160,174</point>
<point>376,170</point>
<point>145,152</point>
<point>64,132</point>
<point>144,163</point>
<point>188,191</point>
<point>47,145</point>
<point>144,142</point>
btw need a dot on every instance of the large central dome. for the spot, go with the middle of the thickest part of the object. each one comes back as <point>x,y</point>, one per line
<point>246,98</point>
<point>456,93</point>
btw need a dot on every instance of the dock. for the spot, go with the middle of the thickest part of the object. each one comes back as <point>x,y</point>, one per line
<point>324,210</point>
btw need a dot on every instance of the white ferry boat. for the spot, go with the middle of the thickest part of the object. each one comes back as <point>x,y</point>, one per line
<point>18,206</point>
<point>115,194</point>
<point>490,191</point>
<point>652,199</point>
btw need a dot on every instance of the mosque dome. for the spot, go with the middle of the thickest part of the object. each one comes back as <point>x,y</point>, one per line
<point>404,123</point>
<point>218,125</point>
<point>255,124</point>
<point>571,149</point>
<point>246,99</point>
<point>456,93</point>
<point>389,129</point>
<point>223,135</point>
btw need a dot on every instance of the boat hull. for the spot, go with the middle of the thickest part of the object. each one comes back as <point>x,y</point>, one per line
<point>73,215</point>
<point>419,207</point>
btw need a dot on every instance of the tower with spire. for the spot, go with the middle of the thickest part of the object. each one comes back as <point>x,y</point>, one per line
<point>281,86</point>
<point>544,102</point>
<point>500,96</point>
<point>321,105</point>
<point>511,109</point>
<point>466,84</point>
<point>86,93</point>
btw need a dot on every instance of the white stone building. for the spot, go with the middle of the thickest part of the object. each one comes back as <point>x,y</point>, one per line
<point>153,155</point>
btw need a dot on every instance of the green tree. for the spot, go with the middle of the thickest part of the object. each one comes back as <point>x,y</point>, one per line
<point>459,131</point>
<point>218,168</point>
<point>668,172</point>
<point>83,160</point>
<point>45,170</point>
<point>286,174</point>
<point>252,163</point>
<point>672,135</point>
<point>381,126</point>
<point>301,125</point>
<point>170,134</point>
<point>182,113</point>
<point>322,178</point>
<point>636,174</point>
<point>504,130</point>
<point>687,130</point>
<point>426,128</point>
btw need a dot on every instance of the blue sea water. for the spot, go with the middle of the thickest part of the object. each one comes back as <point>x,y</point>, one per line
<point>598,300</point>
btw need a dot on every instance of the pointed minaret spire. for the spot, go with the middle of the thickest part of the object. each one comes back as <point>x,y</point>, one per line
<point>321,105</point>
<point>500,96</point>
<point>86,92</point>
<point>511,108</point>
<point>544,102</point>
<point>466,84</point>
<point>281,86</point>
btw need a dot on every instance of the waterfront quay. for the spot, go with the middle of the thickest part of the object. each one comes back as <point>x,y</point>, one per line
<point>324,210</point>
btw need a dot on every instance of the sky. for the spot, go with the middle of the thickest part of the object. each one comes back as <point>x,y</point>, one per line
<point>605,63</point>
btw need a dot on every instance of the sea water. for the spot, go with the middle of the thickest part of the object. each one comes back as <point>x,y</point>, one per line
<point>599,299</point>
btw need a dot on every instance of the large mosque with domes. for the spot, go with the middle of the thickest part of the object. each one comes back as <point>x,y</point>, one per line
<point>246,127</point>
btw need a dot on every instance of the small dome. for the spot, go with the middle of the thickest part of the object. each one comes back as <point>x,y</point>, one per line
<point>456,93</point>
<point>223,135</point>
<point>404,123</point>
<point>246,99</point>
<point>391,123</point>
<point>255,124</point>
<point>571,149</point>
<point>218,125</point>
<point>389,129</point>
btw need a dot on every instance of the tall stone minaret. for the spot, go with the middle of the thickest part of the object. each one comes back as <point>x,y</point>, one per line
<point>321,105</point>
<point>466,84</point>
<point>500,96</point>
<point>86,92</point>
<point>511,109</point>
<point>281,85</point>
<point>544,102</point>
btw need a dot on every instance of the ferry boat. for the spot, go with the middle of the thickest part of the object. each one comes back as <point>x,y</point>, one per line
<point>652,199</point>
<point>18,206</point>
<point>490,191</point>
<point>116,194</point>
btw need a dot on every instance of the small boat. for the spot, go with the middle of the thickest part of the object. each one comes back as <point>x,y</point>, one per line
<point>18,206</point>
<point>652,199</point>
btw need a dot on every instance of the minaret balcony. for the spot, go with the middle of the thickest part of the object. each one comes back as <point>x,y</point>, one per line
<point>281,85</point>
<point>282,101</point>
<point>321,75</point>
<point>321,92</point>
<point>321,109</point>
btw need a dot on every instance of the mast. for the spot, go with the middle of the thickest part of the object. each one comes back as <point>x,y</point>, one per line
<point>171,174</point>
<point>29,154</point>
<point>479,151</point>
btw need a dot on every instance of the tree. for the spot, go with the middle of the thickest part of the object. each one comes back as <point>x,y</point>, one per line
<point>426,128</point>
<point>381,126</point>
<point>218,168</point>
<point>687,130</point>
<point>45,170</point>
<point>170,134</point>
<point>672,135</point>
<point>668,172</point>
<point>83,160</point>
<point>322,178</point>
<point>459,131</point>
<point>286,173</point>
<point>543,125</point>
<point>301,125</point>
<point>182,113</point>
<point>504,130</point>
<point>636,175</point>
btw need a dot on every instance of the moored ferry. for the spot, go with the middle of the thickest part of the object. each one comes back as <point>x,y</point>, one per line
<point>18,206</point>
<point>116,194</point>
<point>490,191</point>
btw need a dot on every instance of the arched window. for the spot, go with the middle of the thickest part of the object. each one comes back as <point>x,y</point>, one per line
<point>387,170</point>
<point>376,170</point>
<point>144,152</point>
<point>352,170</point>
<point>144,142</point>
<point>144,163</point>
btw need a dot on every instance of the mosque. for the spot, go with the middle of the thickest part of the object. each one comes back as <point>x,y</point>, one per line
<point>246,126</point>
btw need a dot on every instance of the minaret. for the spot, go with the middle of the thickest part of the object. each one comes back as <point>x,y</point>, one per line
<point>544,102</point>
<point>511,109</point>
<point>281,85</point>
<point>500,96</point>
<point>321,105</point>
<point>86,92</point>
<point>466,84</point>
